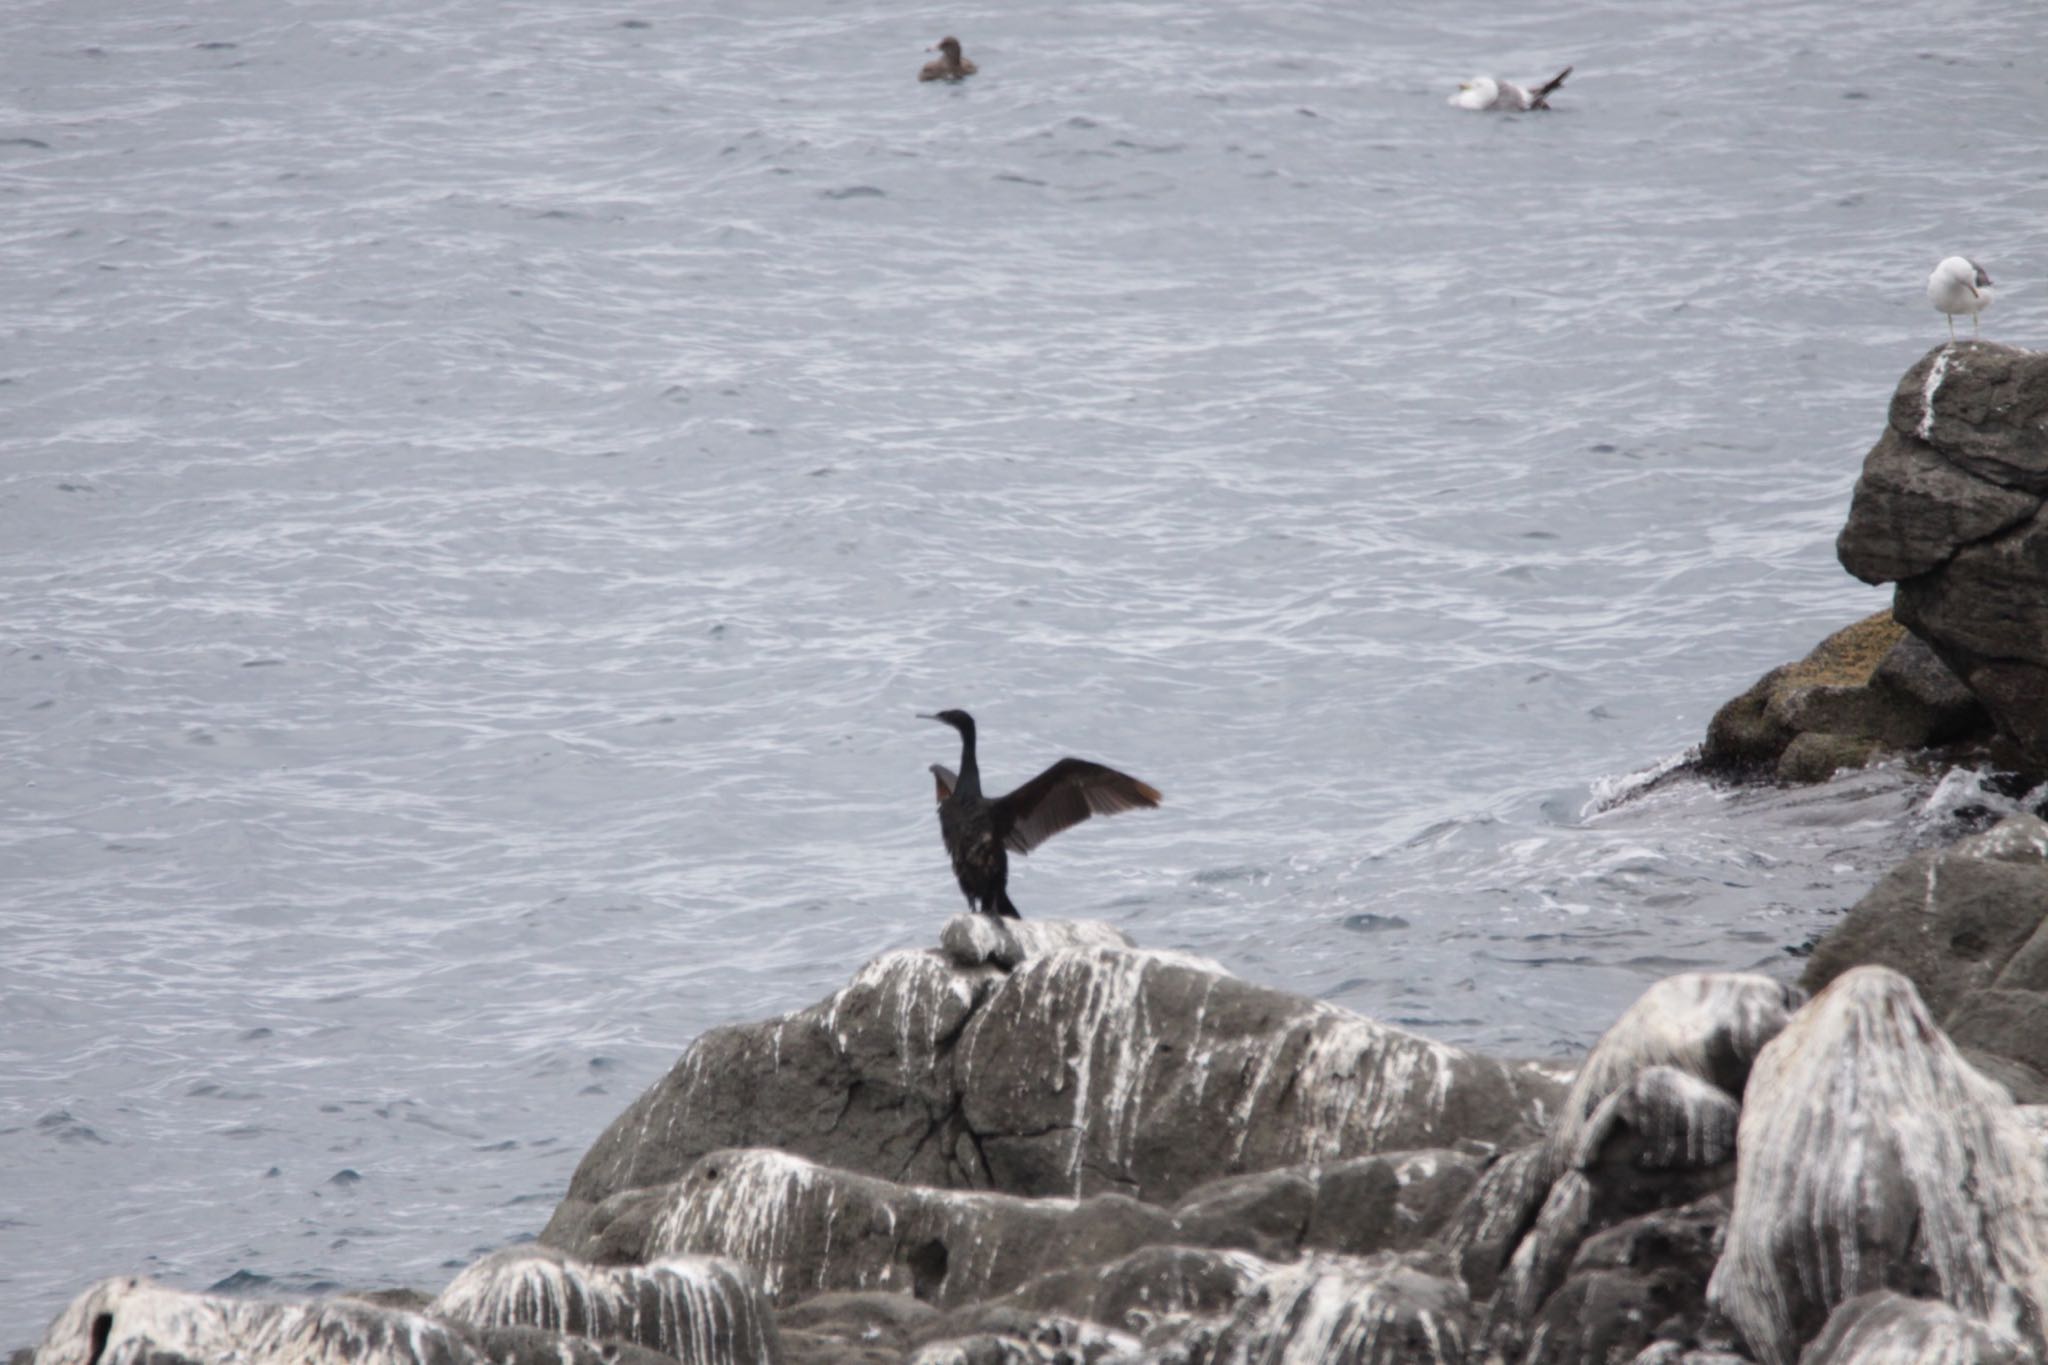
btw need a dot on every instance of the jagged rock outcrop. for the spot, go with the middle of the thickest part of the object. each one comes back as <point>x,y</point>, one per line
<point>1648,1118</point>
<point>1644,1143</point>
<point>688,1308</point>
<point>1950,508</point>
<point>1968,924</point>
<point>1084,1070</point>
<point>1873,1158</point>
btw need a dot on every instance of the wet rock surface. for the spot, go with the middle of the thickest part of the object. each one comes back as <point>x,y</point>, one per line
<point>1874,1158</point>
<point>1223,1174</point>
<point>1867,691</point>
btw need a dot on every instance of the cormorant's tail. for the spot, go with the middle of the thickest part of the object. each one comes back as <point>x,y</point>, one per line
<point>1005,910</point>
<point>1541,93</point>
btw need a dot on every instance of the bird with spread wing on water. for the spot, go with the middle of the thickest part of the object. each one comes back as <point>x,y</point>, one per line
<point>981,834</point>
<point>1491,93</point>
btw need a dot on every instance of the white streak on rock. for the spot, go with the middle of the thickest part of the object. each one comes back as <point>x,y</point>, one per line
<point>144,1319</point>
<point>807,1229</point>
<point>1675,1120</point>
<point>2016,839</point>
<point>1143,1051</point>
<point>1891,1329</point>
<point>1869,1152</point>
<point>1696,1022</point>
<point>1347,1311</point>
<point>1936,372</point>
<point>700,1310</point>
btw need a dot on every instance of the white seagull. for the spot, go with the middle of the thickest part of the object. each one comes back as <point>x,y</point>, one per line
<point>1959,285</point>
<point>1484,92</point>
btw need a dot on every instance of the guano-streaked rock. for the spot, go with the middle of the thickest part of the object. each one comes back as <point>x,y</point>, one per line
<point>1343,1311</point>
<point>1083,1070</point>
<point>1647,1123</point>
<point>133,1321</point>
<point>695,1309</point>
<point>1858,1129</point>
<point>807,1229</point>
<point>983,940</point>
<point>1891,1329</point>
<point>1152,1073</point>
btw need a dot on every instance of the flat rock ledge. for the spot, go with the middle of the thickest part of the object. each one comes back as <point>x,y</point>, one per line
<point>1952,507</point>
<point>1052,1146</point>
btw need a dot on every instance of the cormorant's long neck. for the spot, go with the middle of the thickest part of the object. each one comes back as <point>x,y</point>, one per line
<point>970,771</point>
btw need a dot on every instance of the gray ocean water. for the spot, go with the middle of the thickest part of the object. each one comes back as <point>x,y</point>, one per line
<point>487,483</point>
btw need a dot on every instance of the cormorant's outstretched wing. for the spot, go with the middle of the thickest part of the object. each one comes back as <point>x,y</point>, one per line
<point>1542,92</point>
<point>1065,794</point>
<point>943,776</point>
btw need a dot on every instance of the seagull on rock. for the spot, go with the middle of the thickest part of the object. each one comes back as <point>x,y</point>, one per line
<point>1485,92</point>
<point>1959,285</point>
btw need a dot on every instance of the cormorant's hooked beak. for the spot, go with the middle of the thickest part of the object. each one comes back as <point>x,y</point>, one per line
<point>926,715</point>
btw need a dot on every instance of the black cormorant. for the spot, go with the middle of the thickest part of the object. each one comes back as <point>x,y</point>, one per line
<point>981,834</point>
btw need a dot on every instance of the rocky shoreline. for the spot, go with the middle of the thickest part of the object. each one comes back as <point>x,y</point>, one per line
<point>1099,1152</point>
<point>1040,1142</point>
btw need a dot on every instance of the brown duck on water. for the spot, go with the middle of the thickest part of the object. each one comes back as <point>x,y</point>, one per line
<point>949,65</point>
<point>981,834</point>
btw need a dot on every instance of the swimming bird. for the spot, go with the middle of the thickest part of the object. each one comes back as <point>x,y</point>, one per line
<point>949,67</point>
<point>1484,92</point>
<point>981,834</point>
<point>1959,285</point>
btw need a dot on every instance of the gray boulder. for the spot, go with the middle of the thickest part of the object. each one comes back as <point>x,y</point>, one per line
<point>1984,407</point>
<point>1950,508</point>
<point>1871,1157</point>
<point>1891,1329</point>
<point>1357,1206</point>
<point>1966,924</point>
<point>1135,1292</point>
<point>1082,1070</point>
<point>853,1328</point>
<point>861,1081</point>
<point>1638,1282</point>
